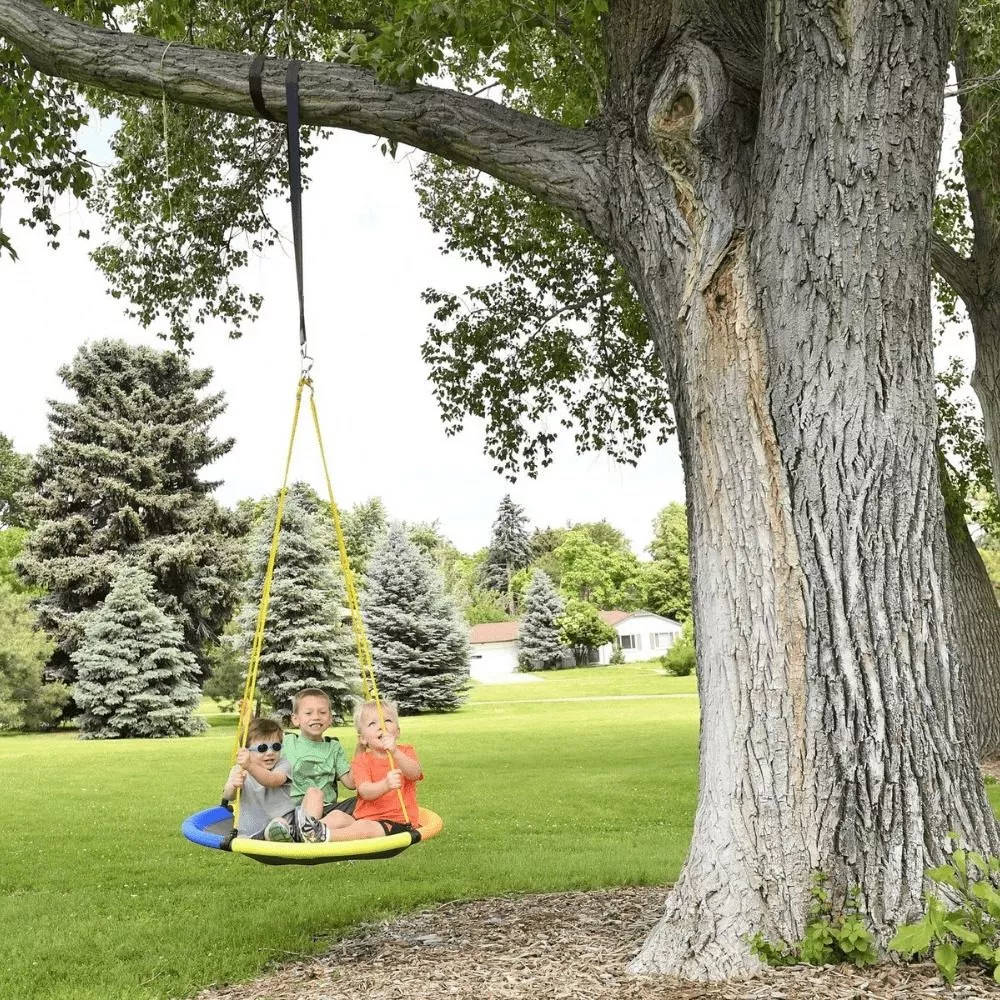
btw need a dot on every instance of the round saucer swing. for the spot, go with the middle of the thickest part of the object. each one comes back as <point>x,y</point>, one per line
<point>217,827</point>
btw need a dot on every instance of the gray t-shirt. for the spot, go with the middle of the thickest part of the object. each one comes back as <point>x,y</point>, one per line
<point>259,804</point>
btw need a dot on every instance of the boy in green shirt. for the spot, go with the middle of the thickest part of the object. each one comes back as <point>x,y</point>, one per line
<point>317,764</point>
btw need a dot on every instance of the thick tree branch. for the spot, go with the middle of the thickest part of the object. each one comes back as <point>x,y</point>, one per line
<point>956,270</point>
<point>560,166</point>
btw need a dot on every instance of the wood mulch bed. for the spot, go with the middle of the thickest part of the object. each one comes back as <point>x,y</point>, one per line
<point>560,946</point>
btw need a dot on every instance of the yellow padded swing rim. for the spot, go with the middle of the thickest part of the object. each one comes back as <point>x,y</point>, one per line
<point>430,825</point>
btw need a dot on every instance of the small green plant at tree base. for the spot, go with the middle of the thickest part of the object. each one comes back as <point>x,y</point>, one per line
<point>963,927</point>
<point>830,938</point>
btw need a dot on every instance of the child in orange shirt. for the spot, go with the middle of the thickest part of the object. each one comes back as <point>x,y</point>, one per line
<point>378,783</point>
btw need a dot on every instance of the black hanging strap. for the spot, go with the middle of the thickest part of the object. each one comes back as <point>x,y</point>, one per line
<point>256,92</point>
<point>295,184</point>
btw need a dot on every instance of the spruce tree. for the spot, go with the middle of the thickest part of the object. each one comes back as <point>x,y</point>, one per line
<point>306,643</point>
<point>540,640</point>
<point>119,484</point>
<point>13,479</point>
<point>419,641</point>
<point>509,551</point>
<point>134,678</point>
<point>27,702</point>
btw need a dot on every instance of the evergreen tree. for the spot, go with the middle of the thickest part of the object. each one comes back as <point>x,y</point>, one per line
<point>419,642</point>
<point>27,702</point>
<point>306,644</point>
<point>541,643</point>
<point>134,677</point>
<point>119,484</point>
<point>510,549</point>
<point>13,479</point>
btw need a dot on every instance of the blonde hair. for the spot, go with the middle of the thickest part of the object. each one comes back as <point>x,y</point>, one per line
<point>261,729</point>
<point>389,709</point>
<point>310,693</point>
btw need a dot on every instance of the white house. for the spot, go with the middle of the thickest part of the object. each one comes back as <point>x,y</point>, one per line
<point>642,635</point>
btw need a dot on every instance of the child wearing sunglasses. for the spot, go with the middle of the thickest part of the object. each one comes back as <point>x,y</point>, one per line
<point>262,775</point>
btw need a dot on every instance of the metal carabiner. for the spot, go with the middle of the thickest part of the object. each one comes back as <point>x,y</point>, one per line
<point>307,363</point>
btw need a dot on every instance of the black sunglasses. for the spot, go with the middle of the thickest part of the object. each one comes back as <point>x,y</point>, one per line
<point>264,747</point>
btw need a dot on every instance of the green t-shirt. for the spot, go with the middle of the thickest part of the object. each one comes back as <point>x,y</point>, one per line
<point>315,765</point>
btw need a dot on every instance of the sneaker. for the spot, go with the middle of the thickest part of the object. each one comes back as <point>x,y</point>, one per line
<point>278,831</point>
<point>313,830</point>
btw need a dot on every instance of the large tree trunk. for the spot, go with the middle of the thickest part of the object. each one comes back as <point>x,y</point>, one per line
<point>835,730</point>
<point>977,622</point>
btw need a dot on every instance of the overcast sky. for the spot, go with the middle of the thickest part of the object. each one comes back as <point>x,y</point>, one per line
<point>368,256</point>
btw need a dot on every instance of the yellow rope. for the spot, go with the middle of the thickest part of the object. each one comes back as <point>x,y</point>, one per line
<point>369,683</point>
<point>357,622</point>
<point>250,687</point>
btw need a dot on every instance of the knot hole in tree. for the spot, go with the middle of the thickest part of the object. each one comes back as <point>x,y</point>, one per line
<point>683,116</point>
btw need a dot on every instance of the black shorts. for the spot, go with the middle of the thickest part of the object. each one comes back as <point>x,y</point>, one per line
<point>391,827</point>
<point>344,806</point>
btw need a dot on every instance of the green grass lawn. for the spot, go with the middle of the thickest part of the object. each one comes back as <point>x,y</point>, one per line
<point>101,897</point>
<point>622,680</point>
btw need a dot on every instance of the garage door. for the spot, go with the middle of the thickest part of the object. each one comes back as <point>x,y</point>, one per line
<point>487,662</point>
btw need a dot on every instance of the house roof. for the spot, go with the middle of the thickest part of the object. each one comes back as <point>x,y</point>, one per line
<point>617,617</point>
<point>614,617</point>
<point>494,632</point>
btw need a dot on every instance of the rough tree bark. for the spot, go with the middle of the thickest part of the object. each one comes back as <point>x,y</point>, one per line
<point>764,173</point>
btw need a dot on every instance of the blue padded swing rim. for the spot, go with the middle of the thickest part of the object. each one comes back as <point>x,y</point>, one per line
<point>195,827</point>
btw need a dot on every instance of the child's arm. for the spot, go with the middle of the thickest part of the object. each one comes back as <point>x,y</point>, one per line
<point>373,789</point>
<point>367,788</point>
<point>342,770</point>
<point>235,781</point>
<point>407,763</point>
<point>269,779</point>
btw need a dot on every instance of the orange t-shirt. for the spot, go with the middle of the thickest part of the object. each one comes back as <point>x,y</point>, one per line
<point>368,766</point>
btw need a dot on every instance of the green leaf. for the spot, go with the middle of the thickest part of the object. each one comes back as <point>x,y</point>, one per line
<point>946,959</point>
<point>912,939</point>
<point>943,875</point>
<point>988,896</point>
<point>963,933</point>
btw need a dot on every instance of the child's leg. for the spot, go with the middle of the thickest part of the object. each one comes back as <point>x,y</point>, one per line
<point>354,829</point>
<point>311,827</point>
<point>312,803</point>
<point>338,820</point>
